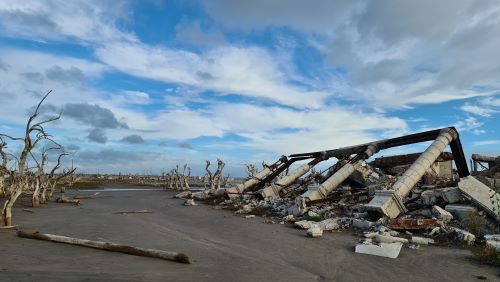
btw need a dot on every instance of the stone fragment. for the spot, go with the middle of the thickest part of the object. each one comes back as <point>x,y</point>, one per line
<point>190,202</point>
<point>305,224</point>
<point>422,240</point>
<point>460,212</point>
<point>314,232</point>
<point>361,223</point>
<point>442,214</point>
<point>329,224</point>
<point>249,216</point>
<point>493,241</point>
<point>383,238</point>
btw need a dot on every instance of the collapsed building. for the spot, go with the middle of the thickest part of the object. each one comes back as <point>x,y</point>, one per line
<point>419,191</point>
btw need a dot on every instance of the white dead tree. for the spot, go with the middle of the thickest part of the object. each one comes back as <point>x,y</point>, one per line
<point>52,180</point>
<point>185,178</point>
<point>215,178</point>
<point>34,134</point>
<point>4,171</point>
<point>177,179</point>
<point>251,170</point>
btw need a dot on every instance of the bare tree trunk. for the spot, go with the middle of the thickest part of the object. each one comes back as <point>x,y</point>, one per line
<point>173,256</point>
<point>6,219</point>
<point>35,202</point>
<point>2,190</point>
<point>186,178</point>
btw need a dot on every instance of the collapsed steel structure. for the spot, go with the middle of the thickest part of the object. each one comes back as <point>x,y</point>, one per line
<point>387,202</point>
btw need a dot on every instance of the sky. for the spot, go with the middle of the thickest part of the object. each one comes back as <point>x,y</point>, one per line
<point>145,85</point>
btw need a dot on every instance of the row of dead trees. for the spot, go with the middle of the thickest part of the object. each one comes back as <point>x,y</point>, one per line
<point>16,174</point>
<point>180,180</point>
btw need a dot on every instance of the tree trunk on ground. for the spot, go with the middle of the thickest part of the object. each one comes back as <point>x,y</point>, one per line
<point>173,256</point>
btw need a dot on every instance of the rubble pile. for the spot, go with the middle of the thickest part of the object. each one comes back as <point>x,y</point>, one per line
<point>416,199</point>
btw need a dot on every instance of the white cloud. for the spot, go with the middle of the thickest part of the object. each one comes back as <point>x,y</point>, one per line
<point>88,21</point>
<point>477,110</point>
<point>250,71</point>
<point>133,97</point>
<point>485,143</point>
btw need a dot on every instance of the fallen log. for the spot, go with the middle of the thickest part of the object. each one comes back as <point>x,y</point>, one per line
<point>107,246</point>
<point>65,200</point>
<point>82,197</point>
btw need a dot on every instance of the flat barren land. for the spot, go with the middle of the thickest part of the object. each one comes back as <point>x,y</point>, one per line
<point>222,247</point>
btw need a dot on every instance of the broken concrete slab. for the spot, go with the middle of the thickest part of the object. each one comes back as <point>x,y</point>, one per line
<point>451,195</point>
<point>388,250</point>
<point>442,214</point>
<point>461,235</point>
<point>480,194</point>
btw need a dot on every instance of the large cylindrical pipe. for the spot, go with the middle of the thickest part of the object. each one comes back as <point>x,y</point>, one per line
<point>487,159</point>
<point>233,191</point>
<point>342,174</point>
<point>274,189</point>
<point>411,176</point>
<point>390,202</point>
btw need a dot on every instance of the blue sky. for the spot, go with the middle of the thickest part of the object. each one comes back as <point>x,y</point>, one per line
<point>145,85</point>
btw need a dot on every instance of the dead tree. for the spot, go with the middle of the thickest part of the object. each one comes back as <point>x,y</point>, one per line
<point>51,180</point>
<point>215,178</point>
<point>30,142</point>
<point>185,178</point>
<point>251,170</point>
<point>4,171</point>
<point>177,179</point>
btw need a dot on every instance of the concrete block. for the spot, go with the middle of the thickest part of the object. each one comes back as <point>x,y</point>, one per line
<point>493,241</point>
<point>442,214</point>
<point>388,250</point>
<point>480,194</point>
<point>314,232</point>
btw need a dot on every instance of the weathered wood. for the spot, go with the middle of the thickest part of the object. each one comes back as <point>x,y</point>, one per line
<point>107,246</point>
<point>81,197</point>
<point>65,200</point>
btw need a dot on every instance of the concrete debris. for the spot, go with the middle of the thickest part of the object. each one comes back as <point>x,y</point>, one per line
<point>314,232</point>
<point>329,224</point>
<point>362,224</point>
<point>480,194</point>
<point>421,240</point>
<point>249,216</point>
<point>442,214</point>
<point>493,241</point>
<point>387,238</point>
<point>420,195</point>
<point>412,223</point>
<point>190,202</point>
<point>304,224</point>
<point>461,235</point>
<point>388,250</point>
